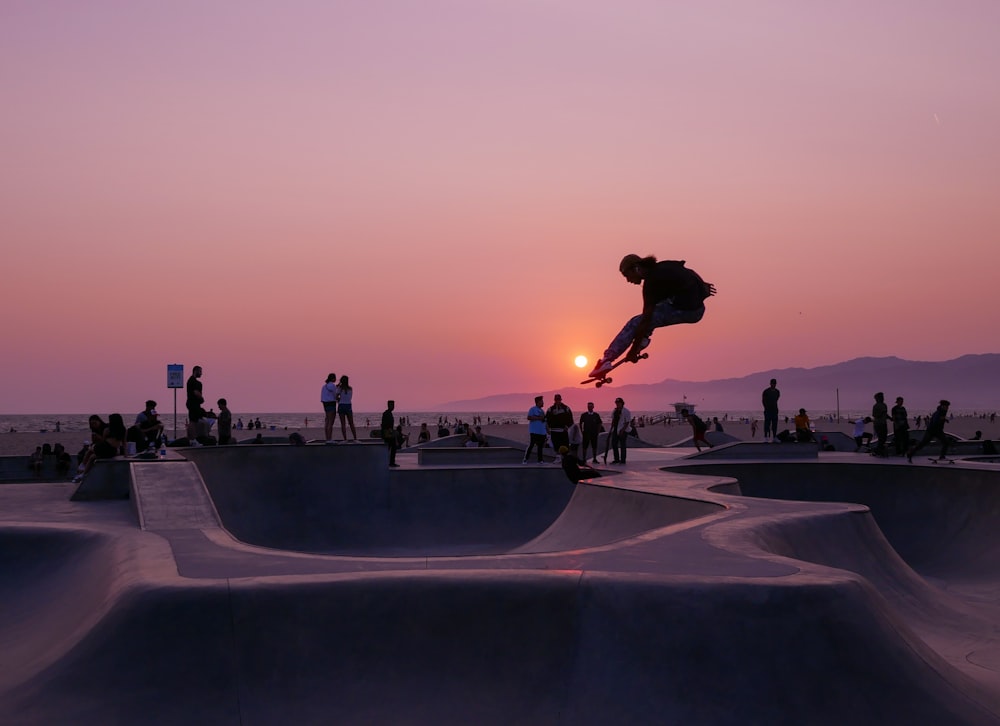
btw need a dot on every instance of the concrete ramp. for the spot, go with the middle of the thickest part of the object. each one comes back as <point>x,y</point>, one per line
<point>171,495</point>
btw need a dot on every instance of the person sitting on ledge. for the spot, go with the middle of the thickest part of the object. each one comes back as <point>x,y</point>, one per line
<point>803,429</point>
<point>574,468</point>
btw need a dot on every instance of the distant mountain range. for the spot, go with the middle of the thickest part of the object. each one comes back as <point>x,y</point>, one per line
<point>971,383</point>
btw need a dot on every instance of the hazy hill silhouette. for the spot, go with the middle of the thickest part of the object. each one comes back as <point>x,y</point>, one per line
<point>971,382</point>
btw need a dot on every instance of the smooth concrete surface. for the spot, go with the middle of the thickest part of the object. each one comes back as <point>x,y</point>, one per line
<point>475,456</point>
<point>717,592</point>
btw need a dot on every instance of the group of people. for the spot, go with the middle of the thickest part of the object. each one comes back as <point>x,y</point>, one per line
<point>337,398</point>
<point>200,421</point>
<point>570,437</point>
<point>880,419</point>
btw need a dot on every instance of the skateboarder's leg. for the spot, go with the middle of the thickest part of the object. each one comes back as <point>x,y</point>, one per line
<point>664,314</point>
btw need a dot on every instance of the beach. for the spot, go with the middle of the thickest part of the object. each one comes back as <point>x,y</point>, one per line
<point>23,443</point>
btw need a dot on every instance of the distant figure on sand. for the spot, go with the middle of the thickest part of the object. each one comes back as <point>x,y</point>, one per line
<point>672,294</point>
<point>424,435</point>
<point>536,430</point>
<point>935,430</point>
<point>698,428</point>
<point>328,397</point>
<point>344,407</point>
<point>769,399</point>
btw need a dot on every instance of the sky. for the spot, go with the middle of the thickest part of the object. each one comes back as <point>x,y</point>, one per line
<point>433,196</point>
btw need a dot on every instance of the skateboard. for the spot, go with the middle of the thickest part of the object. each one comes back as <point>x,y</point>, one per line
<point>938,461</point>
<point>605,378</point>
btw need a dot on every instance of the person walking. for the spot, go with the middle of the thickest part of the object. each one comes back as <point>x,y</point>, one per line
<point>536,429</point>
<point>769,399</point>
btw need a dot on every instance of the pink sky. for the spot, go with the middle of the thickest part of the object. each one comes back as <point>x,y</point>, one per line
<point>432,197</point>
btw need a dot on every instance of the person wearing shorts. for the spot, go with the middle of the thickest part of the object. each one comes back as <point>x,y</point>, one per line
<point>328,397</point>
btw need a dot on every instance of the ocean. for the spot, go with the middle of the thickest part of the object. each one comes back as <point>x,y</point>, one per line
<point>270,421</point>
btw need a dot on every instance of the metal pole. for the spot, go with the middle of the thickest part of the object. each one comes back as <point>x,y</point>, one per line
<point>175,414</point>
<point>838,404</point>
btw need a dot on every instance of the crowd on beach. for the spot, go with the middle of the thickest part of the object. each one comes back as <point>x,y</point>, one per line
<point>886,431</point>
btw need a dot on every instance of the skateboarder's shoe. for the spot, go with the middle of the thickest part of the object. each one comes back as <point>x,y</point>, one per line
<point>602,367</point>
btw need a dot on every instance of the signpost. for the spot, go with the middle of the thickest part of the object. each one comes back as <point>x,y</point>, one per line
<point>175,380</point>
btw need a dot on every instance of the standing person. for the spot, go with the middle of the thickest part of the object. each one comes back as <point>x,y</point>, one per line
<point>671,294</point>
<point>328,397</point>
<point>621,422</point>
<point>575,439</point>
<point>195,399</point>
<point>880,423</point>
<point>753,427</point>
<point>558,419</point>
<point>590,423</point>
<point>769,399</point>
<point>935,430</point>
<point>698,427</point>
<point>900,427</point>
<point>388,430</point>
<point>344,396</point>
<point>225,419</point>
<point>536,429</point>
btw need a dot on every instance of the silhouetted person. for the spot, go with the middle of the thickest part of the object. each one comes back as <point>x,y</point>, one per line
<point>900,427</point>
<point>388,432</point>
<point>621,422</point>
<point>671,294</point>
<point>590,425</point>
<point>880,423</point>
<point>769,399</point>
<point>574,468</point>
<point>536,429</point>
<point>935,430</point>
<point>698,428</point>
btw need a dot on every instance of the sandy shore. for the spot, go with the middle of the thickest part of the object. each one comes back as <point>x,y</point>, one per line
<point>13,444</point>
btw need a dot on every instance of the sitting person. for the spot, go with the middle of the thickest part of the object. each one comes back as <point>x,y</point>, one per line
<point>862,437</point>
<point>803,429</point>
<point>425,435</point>
<point>36,460</point>
<point>574,468</point>
<point>147,429</point>
<point>108,441</point>
<point>63,460</point>
<point>475,437</point>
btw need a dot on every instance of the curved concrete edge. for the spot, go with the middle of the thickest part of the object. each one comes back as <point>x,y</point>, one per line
<point>483,647</point>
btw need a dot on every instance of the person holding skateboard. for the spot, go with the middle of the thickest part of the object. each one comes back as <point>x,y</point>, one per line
<point>671,294</point>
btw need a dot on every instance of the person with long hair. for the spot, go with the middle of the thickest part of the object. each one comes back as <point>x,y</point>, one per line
<point>344,397</point>
<point>671,294</point>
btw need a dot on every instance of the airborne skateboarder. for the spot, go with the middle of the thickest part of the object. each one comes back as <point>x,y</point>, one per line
<point>671,294</point>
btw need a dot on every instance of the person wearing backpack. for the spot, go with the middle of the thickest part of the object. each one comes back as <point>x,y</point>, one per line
<point>671,294</point>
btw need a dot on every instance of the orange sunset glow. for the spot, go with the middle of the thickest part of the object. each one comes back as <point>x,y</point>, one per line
<point>434,197</point>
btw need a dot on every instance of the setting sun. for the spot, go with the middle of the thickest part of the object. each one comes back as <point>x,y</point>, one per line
<point>581,361</point>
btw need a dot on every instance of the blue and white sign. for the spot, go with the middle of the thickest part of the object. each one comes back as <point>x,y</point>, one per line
<point>175,375</point>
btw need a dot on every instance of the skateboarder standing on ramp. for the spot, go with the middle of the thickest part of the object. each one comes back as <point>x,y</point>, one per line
<point>671,294</point>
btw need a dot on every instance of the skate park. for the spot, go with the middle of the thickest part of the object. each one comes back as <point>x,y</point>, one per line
<point>749,583</point>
